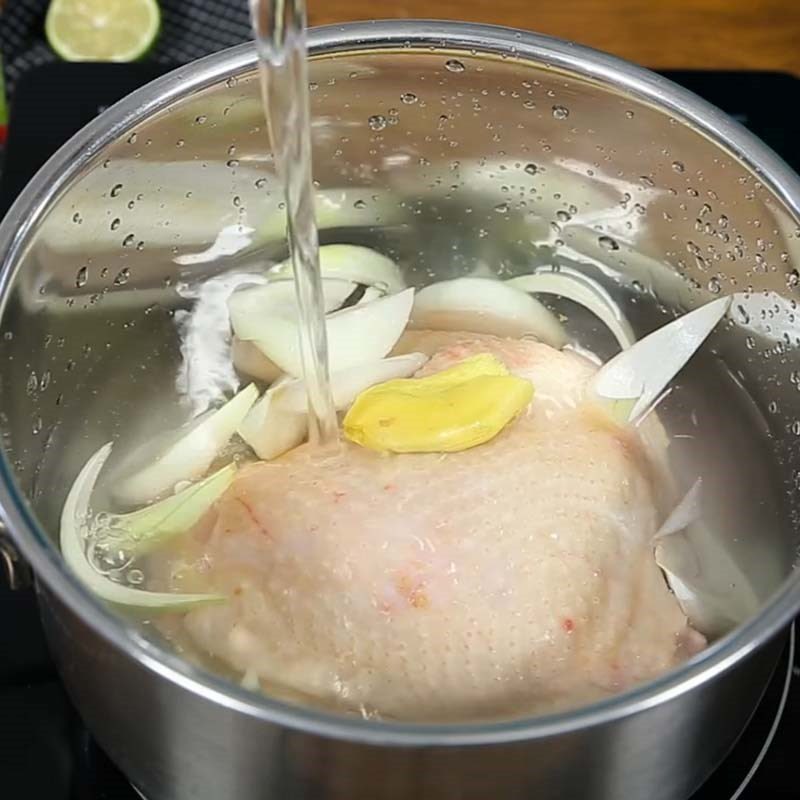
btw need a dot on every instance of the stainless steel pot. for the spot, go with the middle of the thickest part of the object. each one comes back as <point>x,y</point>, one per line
<point>437,131</point>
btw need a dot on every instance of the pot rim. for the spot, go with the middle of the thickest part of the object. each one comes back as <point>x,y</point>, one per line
<point>522,46</point>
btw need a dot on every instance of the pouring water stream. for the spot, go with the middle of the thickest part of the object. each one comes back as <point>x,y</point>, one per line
<point>279,28</point>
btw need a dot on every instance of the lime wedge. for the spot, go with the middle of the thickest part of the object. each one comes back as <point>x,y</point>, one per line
<point>102,30</point>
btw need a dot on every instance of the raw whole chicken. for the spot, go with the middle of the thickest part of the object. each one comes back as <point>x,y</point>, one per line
<point>511,578</point>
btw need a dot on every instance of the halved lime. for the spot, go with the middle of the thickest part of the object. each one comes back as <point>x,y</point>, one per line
<point>102,30</point>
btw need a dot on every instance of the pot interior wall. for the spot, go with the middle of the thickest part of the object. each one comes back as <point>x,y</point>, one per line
<point>452,163</point>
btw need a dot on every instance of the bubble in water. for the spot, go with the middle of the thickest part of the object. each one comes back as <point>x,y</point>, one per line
<point>359,204</point>
<point>260,183</point>
<point>135,577</point>
<point>116,189</point>
<point>563,216</point>
<point>629,114</point>
<point>115,223</point>
<point>108,556</point>
<point>714,286</point>
<point>76,218</point>
<point>377,122</point>
<point>560,112</point>
<point>132,138</point>
<point>180,143</point>
<point>501,208</point>
<point>454,65</point>
<point>608,243</point>
<point>81,277</point>
<point>201,119</point>
<point>528,104</point>
<point>122,277</point>
<point>678,166</point>
<point>531,169</point>
<point>232,163</point>
<point>792,278</point>
<point>32,384</point>
<point>128,240</point>
<point>409,98</point>
<point>647,180</point>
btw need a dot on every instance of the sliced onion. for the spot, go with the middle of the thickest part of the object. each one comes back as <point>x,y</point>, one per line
<point>710,587</point>
<point>574,285</point>
<point>356,335</point>
<point>639,375</point>
<point>186,454</point>
<point>74,518</point>
<point>352,263</point>
<point>684,514</point>
<point>485,306</point>
<point>277,298</point>
<point>347,384</point>
<point>149,527</point>
<point>249,360</point>
<point>272,430</point>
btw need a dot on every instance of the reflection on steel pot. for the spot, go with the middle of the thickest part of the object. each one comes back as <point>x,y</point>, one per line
<point>526,152</point>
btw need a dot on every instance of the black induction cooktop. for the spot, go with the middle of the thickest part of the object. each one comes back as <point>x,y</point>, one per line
<point>46,753</point>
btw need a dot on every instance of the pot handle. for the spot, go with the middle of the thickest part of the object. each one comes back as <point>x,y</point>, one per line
<point>14,572</point>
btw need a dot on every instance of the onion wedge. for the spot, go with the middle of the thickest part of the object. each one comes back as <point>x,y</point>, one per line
<point>185,454</point>
<point>74,517</point>
<point>148,528</point>
<point>272,430</point>
<point>278,298</point>
<point>356,335</point>
<point>632,382</point>
<point>684,514</point>
<point>712,590</point>
<point>347,384</point>
<point>482,305</point>
<point>249,360</point>
<point>710,587</point>
<point>352,263</point>
<point>575,286</point>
